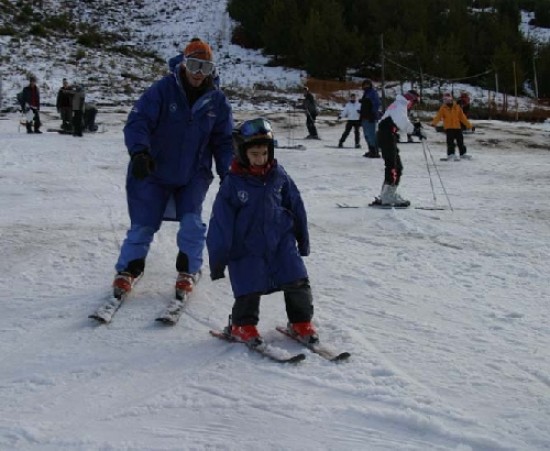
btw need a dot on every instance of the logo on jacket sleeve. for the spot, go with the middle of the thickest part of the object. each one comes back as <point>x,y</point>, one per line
<point>243,196</point>
<point>173,107</point>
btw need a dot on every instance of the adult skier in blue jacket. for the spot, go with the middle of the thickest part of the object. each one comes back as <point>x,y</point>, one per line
<point>258,229</point>
<point>173,132</point>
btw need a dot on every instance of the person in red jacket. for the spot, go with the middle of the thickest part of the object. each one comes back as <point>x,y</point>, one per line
<point>30,103</point>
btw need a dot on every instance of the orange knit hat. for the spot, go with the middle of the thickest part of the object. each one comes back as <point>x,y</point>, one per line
<point>198,49</point>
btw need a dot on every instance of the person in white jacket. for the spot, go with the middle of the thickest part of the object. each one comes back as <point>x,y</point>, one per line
<point>351,113</point>
<point>395,119</point>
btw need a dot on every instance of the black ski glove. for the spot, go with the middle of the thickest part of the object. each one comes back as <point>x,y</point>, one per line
<point>217,272</point>
<point>303,248</point>
<point>142,164</point>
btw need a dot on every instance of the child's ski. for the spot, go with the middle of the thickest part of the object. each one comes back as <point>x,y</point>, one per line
<point>271,352</point>
<point>317,347</point>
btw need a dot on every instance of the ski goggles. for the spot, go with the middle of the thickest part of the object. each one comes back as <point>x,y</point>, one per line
<point>195,66</point>
<point>255,127</point>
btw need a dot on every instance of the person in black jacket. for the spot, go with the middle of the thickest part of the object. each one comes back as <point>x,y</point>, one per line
<point>311,114</point>
<point>79,95</point>
<point>64,105</point>
<point>30,102</point>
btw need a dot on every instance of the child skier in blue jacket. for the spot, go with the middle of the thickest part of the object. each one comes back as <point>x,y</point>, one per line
<point>258,229</point>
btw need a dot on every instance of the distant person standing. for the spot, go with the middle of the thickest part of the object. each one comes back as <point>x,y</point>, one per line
<point>370,113</point>
<point>64,105</point>
<point>453,118</point>
<point>79,95</point>
<point>351,113</point>
<point>30,103</point>
<point>312,111</point>
<point>464,103</point>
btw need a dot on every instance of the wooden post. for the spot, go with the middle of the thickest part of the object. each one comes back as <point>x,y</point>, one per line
<point>515,89</point>
<point>382,73</point>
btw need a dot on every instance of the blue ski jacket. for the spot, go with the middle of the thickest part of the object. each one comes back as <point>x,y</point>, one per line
<point>258,229</point>
<point>181,139</point>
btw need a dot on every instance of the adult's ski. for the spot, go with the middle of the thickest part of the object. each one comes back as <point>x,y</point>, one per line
<point>317,347</point>
<point>267,350</point>
<point>173,310</point>
<point>104,314</point>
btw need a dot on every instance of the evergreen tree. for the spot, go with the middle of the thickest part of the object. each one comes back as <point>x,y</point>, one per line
<point>329,49</point>
<point>542,64</point>
<point>281,41</point>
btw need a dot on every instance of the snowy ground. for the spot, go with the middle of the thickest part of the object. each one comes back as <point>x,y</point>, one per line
<point>445,311</point>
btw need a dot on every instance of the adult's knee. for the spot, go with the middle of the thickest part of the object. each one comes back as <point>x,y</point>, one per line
<point>191,225</point>
<point>141,234</point>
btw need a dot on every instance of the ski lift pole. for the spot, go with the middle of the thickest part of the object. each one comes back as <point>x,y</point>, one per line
<point>429,170</point>
<point>439,176</point>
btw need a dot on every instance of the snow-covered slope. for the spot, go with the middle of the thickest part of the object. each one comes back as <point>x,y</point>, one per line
<point>445,312</point>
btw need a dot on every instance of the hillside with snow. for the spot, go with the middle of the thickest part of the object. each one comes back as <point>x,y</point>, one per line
<point>112,77</point>
<point>161,26</point>
<point>445,312</point>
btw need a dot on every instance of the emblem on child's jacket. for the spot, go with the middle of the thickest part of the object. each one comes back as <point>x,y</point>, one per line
<point>243,196</point>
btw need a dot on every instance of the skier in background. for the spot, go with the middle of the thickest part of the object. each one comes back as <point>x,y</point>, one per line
<point>258,229</point>
<point>312,111</point>
<point>370,113</point>
<point>395,119</point>
<point>351,113</point>
<point>174,131</point>
<point>453,118</point>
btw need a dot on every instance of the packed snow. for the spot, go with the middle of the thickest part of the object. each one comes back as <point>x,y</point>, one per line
<point>445,312</point>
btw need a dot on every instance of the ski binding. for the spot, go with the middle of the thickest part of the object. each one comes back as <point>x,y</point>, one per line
<point>317,347</point>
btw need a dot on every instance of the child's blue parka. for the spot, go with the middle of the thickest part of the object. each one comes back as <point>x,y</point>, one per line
<point>258,229</point>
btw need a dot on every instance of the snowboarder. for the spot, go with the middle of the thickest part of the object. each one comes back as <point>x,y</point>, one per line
<point>453,117</point>
<point>177,127</point>
<point>351,113</point>
<point>395,118</point>
<point>370,113</point>
<point>258,229</point>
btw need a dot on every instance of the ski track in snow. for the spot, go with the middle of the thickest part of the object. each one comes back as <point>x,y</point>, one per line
<point>445,312</point>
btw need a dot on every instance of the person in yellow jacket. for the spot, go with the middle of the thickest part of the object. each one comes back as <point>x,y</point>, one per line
<point>452,116</point>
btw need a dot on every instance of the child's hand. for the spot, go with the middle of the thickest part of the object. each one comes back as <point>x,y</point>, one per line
<point>217,273</point>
